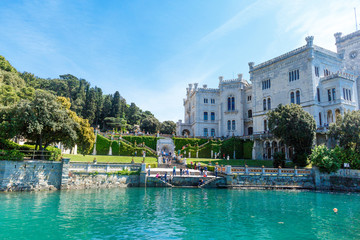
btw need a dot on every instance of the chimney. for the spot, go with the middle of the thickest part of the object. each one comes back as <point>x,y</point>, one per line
<point>251,65</point>
<point>337,36</point>
<point>221,78</point>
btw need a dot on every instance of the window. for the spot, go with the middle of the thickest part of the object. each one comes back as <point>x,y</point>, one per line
<point>233,125</point>
<point>318,94</point>
<point>212,116</point>
<point>266,84</point>
<point>320,121</point>
<point>212,101</point>
<point>329,95</point>
<point>213,132</point>
<point>231,103</point>
<point>294,75</point>
<point>205,116</point>
<point>265,125</point>
<point>269,104</point>
<point>205,100</point>
<point>326,72</point>
<point>250,131</point>
<point>250,113</point>
<point>264,104</point>
<point>333,94</point>
<point>249,98</point>
<point>317,71</point>
<point>205,132</point>
<point>347,94</point>
<point>229,125</point>
<point>298,97</point>
<point>292,97</point>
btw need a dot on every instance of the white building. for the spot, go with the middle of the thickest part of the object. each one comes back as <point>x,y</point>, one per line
<point>323,82</point>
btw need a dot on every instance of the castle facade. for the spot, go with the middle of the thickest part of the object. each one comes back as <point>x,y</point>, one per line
<point>323,82</point>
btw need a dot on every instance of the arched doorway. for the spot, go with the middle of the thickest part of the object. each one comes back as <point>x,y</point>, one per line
<point>330,118</point>
<point>185,132</point>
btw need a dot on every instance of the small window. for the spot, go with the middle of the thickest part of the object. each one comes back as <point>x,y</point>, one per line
<point>297,97</point>
<point>317,71</point>
<point>329,95</point>
<point>229,125</point>
<point>250,131</point>
<point>213,132</point>
<point>212,101</point>
<point>292,97</point>
<point>205,132</point>
<point>269,104</point>
<point>265,125</point>
<point>318,94</point>
<point>264,104</point>
<point>333,94</point>
<point>344,94</point>
<point>212,116</point>
<point>349,94</point>
<point>266,84</point>
<point>205,116</point>
<point>250,113</point>
<point>320,121</point>
<point>294,75</point>
<point>205,100</point>
<point>249,98</point>
<point>231,103</point>
<point>233,125</point>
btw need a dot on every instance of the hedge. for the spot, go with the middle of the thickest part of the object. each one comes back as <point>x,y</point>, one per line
<point>102,145</point>
<point>180,142</point>
<point>149,141</point>
<point>248,145</point>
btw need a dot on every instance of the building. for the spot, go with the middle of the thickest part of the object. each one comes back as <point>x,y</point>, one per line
<point>323,82</point>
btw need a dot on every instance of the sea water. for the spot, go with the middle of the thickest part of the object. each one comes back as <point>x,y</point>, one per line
<point>163,213</point>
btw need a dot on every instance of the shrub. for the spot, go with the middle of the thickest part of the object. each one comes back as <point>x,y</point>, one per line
<point>248,146</point>
<point>327,160</point>
<point>233,144</point>
<point>13,155</point>
<point>279,160</point>
<point>102,145</point>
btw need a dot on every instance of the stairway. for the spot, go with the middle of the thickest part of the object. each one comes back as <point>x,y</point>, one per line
<point>207,182</point>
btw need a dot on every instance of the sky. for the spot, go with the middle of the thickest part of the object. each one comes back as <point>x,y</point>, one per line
<point>150,50</point>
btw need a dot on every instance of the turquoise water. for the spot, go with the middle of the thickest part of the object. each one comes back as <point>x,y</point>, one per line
<point>158,213</point>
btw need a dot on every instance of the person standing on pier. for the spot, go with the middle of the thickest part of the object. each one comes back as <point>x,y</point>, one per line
<point>174,171</point>
<point>149,170</point>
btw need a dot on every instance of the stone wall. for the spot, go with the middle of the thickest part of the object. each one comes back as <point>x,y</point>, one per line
<point>100,180</point>
<point>303,182</point>
<point>30,175</point>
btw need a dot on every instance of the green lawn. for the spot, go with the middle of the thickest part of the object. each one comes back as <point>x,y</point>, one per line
<point>108,159</point>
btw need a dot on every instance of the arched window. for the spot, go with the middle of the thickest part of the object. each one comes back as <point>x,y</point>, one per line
<point>320,121</point>
<point>250,113</point>
<point>269,103</point>
<point>233,124</point>
<point>213,132</point>
<point>298,97</point>
<point>337,113</point>
<point>292,97</point>
<point>231,103</point>
<point>205,116</point>
<point>212,116</point>
<point>330,117</point>
<point>264,104</point>
<point>250,131</point>
<point>205,132</point>
<point>229,125</point>
<point>265,125</point>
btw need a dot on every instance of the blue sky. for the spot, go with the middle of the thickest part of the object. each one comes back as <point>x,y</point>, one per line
<point>150,50</point>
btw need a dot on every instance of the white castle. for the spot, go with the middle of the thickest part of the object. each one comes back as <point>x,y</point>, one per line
<point>323,82</point>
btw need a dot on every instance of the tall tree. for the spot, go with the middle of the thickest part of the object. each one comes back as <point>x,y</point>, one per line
<point>133,114</point>
<point>150,124</point>
<point>90,103</point>
<point>167,127</point>
<point>295,127</point>
<point>116,105</point>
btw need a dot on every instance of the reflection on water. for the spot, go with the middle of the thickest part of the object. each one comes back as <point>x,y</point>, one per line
<point>148,213</point>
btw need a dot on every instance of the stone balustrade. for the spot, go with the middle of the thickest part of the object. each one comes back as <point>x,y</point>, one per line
<point>102,168</point>
<point>264,171</point>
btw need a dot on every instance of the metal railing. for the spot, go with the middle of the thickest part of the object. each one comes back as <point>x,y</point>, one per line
<point>265,171</point>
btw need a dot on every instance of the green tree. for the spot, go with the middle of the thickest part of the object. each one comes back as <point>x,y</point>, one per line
<point>167,127</point>
<point>116,105</point>
<point>90,103</point>
<point>295,127</point>
<point>150,124</point>
<point>133,114</point>
<point>326,159</point>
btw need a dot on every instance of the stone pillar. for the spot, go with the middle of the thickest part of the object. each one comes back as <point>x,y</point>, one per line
<point>279,171</point>
<point>65,165</point>
<point>159,160</point>
<point>228,170</point>
<point>253,153</point>
<point>143,175</point>
<point>107,168</point>
<point>94,151</point>
<point>212,154</point>
<point>263,170</point>
<point>189,154</point>
<point>88,167</point>
<point>246,170</point>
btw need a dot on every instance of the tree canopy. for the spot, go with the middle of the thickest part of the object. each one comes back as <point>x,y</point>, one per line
<point>295,127</point>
